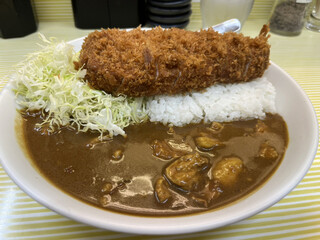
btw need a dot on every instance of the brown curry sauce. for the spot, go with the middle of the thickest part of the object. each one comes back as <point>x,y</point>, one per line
<point>159,170</point>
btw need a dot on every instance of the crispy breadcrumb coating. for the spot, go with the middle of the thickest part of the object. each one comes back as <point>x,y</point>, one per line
<point>170,61</point>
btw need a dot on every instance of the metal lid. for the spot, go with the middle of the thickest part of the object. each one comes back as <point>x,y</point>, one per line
<point>303,1</point>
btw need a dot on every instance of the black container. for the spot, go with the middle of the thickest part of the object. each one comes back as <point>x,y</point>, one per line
<point>89,14</point>
<point>165,25</point>
<point>17,18</point>
<point>170,19</point>
<point>169,13</point>
<point>169,4</point>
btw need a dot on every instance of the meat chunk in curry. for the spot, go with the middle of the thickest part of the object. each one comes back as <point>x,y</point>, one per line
<point>206,143</point>
<point>188,172</point>
<point>162,192</point>
<point>227,170</point>
<point>268,152</point>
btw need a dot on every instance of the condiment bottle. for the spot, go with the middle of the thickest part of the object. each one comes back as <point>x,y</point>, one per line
<point>17,18</point>
<point>94,14</point>
<point>288,17</point>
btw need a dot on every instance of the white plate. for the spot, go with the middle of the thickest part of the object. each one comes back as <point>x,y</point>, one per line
<point>291,102</point>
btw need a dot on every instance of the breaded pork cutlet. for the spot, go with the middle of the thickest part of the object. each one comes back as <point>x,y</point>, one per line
<point>145,63</point>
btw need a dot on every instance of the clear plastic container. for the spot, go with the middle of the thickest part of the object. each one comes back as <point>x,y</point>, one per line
<point>216,11</point>
<point>288,17</point>
<point>313,20</point>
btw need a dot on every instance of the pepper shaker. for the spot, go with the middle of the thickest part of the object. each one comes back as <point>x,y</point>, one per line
<point>288,17</point>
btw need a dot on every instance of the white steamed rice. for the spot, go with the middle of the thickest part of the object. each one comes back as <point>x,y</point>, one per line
<point>221,103</point>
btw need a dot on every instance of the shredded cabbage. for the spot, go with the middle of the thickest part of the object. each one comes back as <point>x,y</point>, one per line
<point>47,81</point>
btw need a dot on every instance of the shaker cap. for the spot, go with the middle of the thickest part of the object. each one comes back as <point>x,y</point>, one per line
<point>303,1</point>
